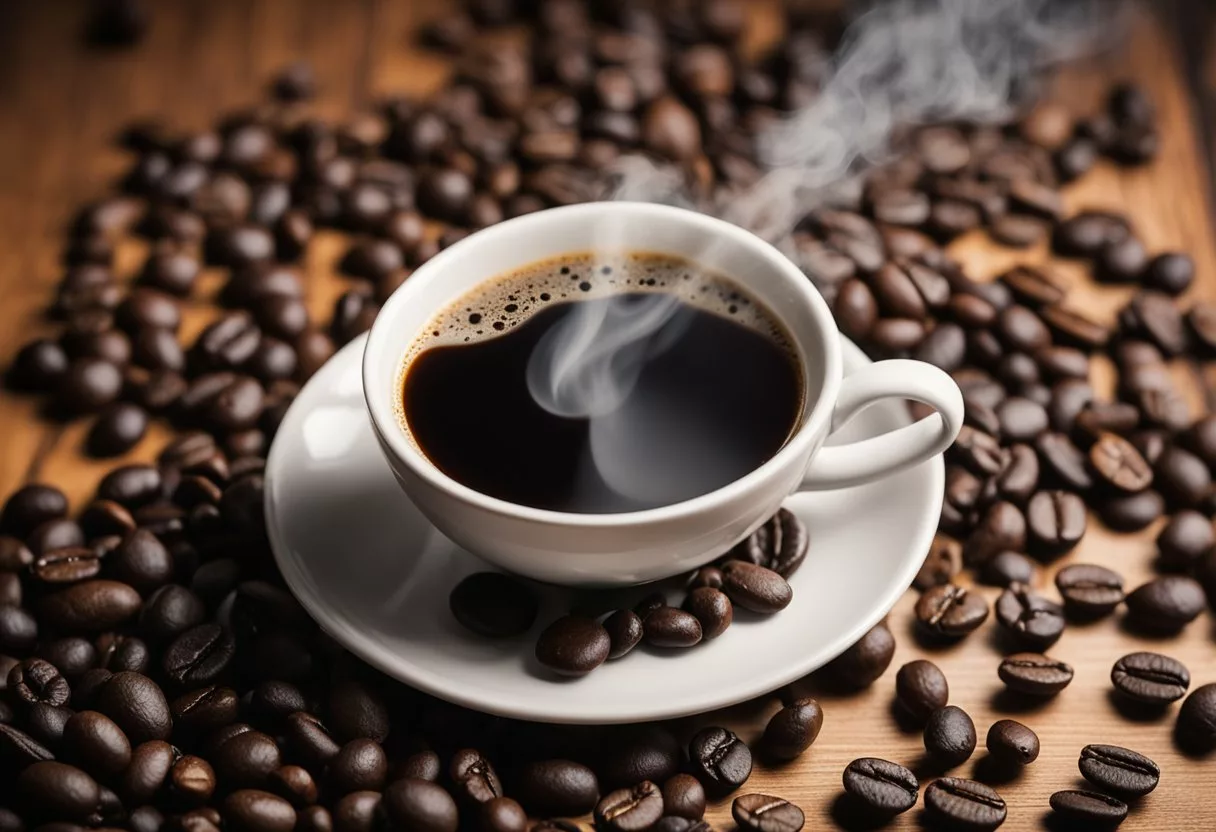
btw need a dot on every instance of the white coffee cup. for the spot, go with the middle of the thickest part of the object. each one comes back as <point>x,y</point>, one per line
<point>640,546</point>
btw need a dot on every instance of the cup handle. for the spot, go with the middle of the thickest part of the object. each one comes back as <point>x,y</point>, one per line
<point>840,466</point>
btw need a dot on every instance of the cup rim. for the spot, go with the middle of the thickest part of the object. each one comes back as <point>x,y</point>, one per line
<point>393,439</point>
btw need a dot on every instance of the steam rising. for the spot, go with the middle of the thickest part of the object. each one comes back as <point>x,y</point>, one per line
<point>900,63</point>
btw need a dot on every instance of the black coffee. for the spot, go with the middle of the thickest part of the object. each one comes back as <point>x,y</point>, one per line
<point>602,384</point>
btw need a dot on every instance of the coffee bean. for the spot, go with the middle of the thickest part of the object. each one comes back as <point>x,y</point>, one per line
<point>473,776</point>
<point>1196,726</point>
<point>626,810</point>
<point>1088,590</point>
<point>1034,674</point>
<point>780,544</point>
<point>1021,419</point>
<point>1181,477</point>
<point>671,627</point>
<point>18,629</point>
<point>884,789</point>
<point>764,813</point>
<point>921,689</point>
<point>1133,512</point>
<point>252,810</point>
<point>1119,770</point>
<point>90,606</point>
<point>1031,620</point>
<point>1012,743</point>
<point>97,744</point>
<point>573,645</point>
<point>131,486</point>
<point>418,804</point>
<point>1006,568</point>
<point>137,705</point>
<point>357,710</point>
<point>55,534</point>
<point>855,309</point>
<point>38,366</point>
<point>1055,521</point>
<point>1089,810</point>
<point>1001,529</point>
<point>941,565</point>
<point>1063,462</point>
<point>84,693</point>
<point>720,759</point>
<point>1150,678</point>
<point>711,608</point>
<point>624,632</point>
<point>199,656</point>
<point>1186,538</point>
<point>557,787</point>
<point>1121,261</point>
<point>205,708</point>
<point>494,605</point>
<point>1171,272</point>
<point>37,681</point>
<point>963,804</point>
<point>58,791</point>
<point>1165,604</point>
<point>192,780</point>
<point>141,561</point>
<point>754,587</point>
<point>792,729</point>
<point>169,612</point>
<point>865,660</point>
<point>950,612</point>
<point>362,765</point>
<point>246,759</point>
<point>88,385</point>
<point>68,565</point>
<point>150,764</point>
<point>950,736</point>
<point>684,797</point>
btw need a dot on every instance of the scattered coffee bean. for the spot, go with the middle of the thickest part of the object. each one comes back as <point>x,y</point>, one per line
<point>684,797</point>
<point>867,659</point>
<point>1031,620</point>
<point>1012,743</point>
<point>720,760</point>
<point>950,736</point>
<point>1166,604</point>
<point>1089,590</point>
<point>627,810</point>
<point>1089,809</point>
<point>921,689</point>
<point>1119,770</point>
<point>1186,538</point>
<point>763,813</point>
<point>1006,568</point>
<point>421,805</point>
<point>1034,674</point>
<point>792,729</point>
<point>1196,725</point>
<point>884,789</point>
<point>964,804</point>
<point>474,777</point>
<point>557,787</point>
<point>950,612</point>
<point>1150,678</point>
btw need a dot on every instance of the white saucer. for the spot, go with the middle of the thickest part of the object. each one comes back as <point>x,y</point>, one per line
<point>376,575</point>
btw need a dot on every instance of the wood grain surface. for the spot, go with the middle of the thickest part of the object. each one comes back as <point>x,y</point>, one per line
<point>61,106</point>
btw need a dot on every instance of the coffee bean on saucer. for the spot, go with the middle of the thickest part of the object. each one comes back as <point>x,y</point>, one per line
<point>711,608</point>
<point>1196,725</point>
<point>625,631</point>
<point>1118,769</point>
<point>755,588</point>
<point>1089,590</point>
<point>684,797</point>
<point>1032,621</point>
<point>1150,678</point>
<point>780,544</point>
<point>1088,810</point>
<point>1006,568</point>
<point>1034,674</point>
<point>1010,742</point>
<point>671,627</point>
<point>950,736</point>
<point>1166,604</point>
<point>950,612</point>
<point>881,788</point>
<point>763,813</point>
<point>573,645</point>
<point>955,803</point>
<point>638,807</point>
<point>921,689</point>
<point>863,662</point>
<point>494,605</point>
<point>721,761</point>
<point>792,729</point>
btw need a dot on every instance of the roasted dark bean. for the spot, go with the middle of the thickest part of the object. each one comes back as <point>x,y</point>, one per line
<point>792,729</point>
<point>1031,620</point>
<point>754,587</point>
<point>1088,810</point>
<point>1119,770</point>
<point>950,736</point>
<point>720,759</point>
<point>1012,743</point>
<point>1089,590</point>
<point>867,659</point>
<point>764,813</point>
<point>1150,678</point>
<point>921,688</point>
<point>964,804</point>
<point>950,612</point>
<point>1166,604</point>
<point>1034,674</point>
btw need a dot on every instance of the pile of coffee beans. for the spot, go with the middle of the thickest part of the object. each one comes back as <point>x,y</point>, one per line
<point>154,671</point>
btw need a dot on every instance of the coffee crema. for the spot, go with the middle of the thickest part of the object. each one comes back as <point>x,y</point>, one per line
<point>601,383</point>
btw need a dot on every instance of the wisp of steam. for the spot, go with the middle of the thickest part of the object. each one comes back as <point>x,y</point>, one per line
<point>900,63</point>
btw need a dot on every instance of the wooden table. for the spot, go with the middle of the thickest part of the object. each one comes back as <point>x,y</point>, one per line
<point>62,105</point>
